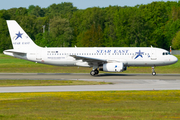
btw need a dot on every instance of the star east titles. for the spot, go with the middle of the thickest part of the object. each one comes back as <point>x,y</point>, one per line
<point>19,43</point>
<point>112,51</point>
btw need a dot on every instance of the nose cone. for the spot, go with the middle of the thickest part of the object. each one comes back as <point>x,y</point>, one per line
<point>174,59</point>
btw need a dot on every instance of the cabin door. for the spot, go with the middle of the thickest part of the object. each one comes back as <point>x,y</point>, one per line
<point>153,55</point>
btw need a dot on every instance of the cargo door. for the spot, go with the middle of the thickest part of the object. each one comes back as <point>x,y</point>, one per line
<point>39,55</point>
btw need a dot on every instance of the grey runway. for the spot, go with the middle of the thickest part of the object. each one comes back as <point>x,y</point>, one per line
<point>75,76</point>
<point>121,82</point>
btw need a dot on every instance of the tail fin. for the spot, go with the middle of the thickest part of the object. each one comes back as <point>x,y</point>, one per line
<point>19,38</point>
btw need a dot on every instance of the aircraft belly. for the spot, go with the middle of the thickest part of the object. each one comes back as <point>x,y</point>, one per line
<point>60,63</point>
<point>146,63</point>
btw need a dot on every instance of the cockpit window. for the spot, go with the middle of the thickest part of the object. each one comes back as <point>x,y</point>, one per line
<point>166,53</point>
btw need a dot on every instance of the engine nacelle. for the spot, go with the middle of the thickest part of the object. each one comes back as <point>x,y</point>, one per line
<point>112,67</point>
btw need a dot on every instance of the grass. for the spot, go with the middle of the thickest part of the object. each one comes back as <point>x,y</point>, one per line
<point>115,105</point>
<point>13,83</point>
<point>9,64</point>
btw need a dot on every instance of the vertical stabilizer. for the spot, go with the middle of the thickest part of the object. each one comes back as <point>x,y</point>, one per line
<point>19,38</point>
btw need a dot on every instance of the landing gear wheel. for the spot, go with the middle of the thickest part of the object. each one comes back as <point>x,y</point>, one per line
<point>154,73</point>
<point>96,72</point>
<point>92,73</point>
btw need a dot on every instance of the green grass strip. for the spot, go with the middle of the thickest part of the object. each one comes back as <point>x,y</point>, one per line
<point>14,83</point>
<point>110,105</point>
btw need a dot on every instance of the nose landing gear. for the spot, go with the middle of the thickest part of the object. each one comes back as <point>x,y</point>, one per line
<point>153,71</point>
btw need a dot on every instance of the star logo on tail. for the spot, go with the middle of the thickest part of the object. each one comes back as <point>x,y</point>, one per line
<point>139,54</point>
<point>19,35</point>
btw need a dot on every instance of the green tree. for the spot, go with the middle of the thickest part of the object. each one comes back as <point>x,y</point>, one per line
<point>4,14</point>
<point>36,11</point>
<point>82,21</point>
<point>109,30</point>
<point>122,26</point>
<point>5,42</point>
<point>65,9</point>
<point>91,38</point>
<point>12,13</point>
<point>21,11</point>
<point>176,41</point>
<point>61,32</point>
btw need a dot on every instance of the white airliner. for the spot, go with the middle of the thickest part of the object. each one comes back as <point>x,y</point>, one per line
<point>109,59</point>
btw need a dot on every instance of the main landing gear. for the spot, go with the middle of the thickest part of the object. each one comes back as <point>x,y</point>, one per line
<point>153,71</point>
<point>94,72</point>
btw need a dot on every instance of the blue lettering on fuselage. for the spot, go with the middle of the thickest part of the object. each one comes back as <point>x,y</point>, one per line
<point>115,51</point>
<point>121,51</point>
<point>103,51</point>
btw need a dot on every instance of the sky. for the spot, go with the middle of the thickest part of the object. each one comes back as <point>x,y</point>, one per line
<point>80,4</point>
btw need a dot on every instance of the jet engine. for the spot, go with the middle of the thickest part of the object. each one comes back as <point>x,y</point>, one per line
<point>112,67</point>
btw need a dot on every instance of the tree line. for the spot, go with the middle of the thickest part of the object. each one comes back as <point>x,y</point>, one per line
<point>63,25</point>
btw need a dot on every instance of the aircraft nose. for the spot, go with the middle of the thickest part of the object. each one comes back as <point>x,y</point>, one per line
<point>174,59</point>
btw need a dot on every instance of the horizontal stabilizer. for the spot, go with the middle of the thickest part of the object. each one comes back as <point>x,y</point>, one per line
<point>14,51</point>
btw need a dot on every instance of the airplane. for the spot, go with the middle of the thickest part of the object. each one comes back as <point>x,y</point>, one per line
<point>108,59</point>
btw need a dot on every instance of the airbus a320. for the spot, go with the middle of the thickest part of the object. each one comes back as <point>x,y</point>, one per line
<point>108,59</point>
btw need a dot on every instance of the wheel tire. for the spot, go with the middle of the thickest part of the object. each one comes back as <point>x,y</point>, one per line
<point>96,72</point>
<point>154,73</point>
<point>92,73</point>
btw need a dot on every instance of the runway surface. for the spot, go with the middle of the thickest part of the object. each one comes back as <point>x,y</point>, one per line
<point>74,76</point>
<point>120,82</point>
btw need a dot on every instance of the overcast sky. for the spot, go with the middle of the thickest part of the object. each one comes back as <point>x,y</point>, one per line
<point>80,4</point>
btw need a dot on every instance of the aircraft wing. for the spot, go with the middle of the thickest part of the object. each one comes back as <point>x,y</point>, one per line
<point>89,60</point>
